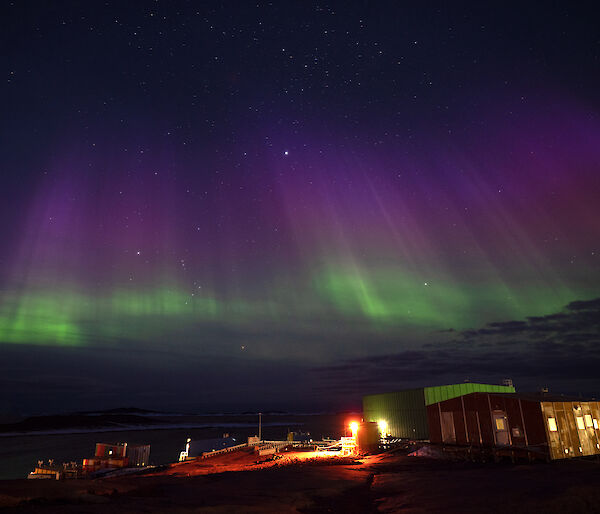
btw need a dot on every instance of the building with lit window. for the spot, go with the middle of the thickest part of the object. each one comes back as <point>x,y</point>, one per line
<point>121,455</point>
<point>554,427</point>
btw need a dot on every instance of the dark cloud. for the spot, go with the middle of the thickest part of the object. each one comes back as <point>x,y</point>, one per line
<point>561,350</point>
<point>47,380</point>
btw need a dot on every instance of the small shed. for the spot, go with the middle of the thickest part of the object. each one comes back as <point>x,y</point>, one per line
<point>556,426</point>
<point>119,455</point>
<point>367,437</point>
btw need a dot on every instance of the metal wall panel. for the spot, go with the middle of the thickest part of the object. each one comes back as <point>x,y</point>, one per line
<point>475,416</point>
<point>403,411</point>
<point>570,435</point>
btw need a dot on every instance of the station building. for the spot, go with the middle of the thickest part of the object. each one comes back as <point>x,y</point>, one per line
<point>490,416</point>
<point>555,427</point>
<point>405,412</point>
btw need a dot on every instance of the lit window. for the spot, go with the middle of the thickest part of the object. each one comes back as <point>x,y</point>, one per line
<point>580,423</point>
<point>552,425</point>
<point>595,423</point>
<point>588,420</point>
<point>500,424</point>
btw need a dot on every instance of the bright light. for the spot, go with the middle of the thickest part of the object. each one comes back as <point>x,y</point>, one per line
<point>354,428</point>
<point>382,426</point>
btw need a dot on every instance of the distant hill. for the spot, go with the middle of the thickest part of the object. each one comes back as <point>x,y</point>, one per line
<point>77,421</point>
<point>7,417</point>
<point>121,410</point>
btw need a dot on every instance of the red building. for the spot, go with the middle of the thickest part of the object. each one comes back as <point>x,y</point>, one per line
<point>553,426</point>
<point>121,455</point>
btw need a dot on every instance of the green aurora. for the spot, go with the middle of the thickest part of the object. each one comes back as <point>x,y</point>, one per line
<point>386,300</point>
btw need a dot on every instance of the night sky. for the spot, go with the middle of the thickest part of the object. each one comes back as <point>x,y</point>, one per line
<point>241,205</point>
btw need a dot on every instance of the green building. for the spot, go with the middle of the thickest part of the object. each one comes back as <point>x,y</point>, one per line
<point>405,412</point>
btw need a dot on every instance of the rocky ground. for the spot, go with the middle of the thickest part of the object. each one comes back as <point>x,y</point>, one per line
<point>301,483</point>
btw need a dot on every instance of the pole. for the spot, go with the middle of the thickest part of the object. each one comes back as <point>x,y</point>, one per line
<point>260,426</point>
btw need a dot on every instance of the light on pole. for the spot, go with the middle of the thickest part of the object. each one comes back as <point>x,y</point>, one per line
<point>260,426</point>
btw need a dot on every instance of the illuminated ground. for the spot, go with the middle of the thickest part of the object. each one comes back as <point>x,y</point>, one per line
<point>300,483</point>
<point>243,461</point>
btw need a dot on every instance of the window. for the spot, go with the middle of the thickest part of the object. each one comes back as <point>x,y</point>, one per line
<point>595,423</point>
<point>500,424</point>
<point>588,420</point>
<point>580,423</point>
<point>552,425</point>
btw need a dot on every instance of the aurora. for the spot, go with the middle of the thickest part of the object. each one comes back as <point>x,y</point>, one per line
<point>376,250</point>
<point>268,191</point>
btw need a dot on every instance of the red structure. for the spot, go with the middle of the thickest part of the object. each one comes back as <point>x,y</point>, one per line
<point>122,455</point>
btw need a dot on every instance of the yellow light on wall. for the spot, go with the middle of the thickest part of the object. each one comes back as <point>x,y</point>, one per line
<point>382,426</point>
<point>580,423</point>
<point>354,428</point>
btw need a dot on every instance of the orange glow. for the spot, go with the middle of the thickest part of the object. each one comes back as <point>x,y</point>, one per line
<point>354,428</point>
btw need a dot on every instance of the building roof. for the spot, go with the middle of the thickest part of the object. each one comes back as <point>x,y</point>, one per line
<point>546,397</point>
<point>435,394</point>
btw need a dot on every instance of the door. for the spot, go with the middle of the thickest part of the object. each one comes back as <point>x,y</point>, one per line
<point>501,428</point>
<point>447,422</point>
